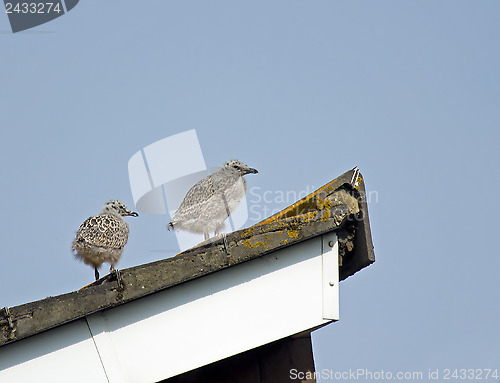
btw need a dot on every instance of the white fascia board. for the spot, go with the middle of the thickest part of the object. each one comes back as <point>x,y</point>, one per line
<point>191,325</point>
<point>222,314</point>
<point>64,354</point>
<point>330,277</point>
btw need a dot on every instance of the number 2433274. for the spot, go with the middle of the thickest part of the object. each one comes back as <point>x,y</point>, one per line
<point>33,8</point>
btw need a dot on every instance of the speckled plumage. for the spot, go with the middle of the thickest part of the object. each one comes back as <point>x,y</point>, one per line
<point>211,200</point>
<point>101,238</point>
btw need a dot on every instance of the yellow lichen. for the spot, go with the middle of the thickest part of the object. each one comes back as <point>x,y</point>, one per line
<point>328,204</point>
<point>249,231</point>
<point>358,182</point>
<point>253,245</point>
<point>327,214</point>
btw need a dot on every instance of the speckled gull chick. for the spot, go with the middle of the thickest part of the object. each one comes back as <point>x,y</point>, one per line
<point>210,201</point>
<point>101,238</point>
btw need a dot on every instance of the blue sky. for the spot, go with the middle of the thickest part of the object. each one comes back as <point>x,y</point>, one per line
<point>302,91</point>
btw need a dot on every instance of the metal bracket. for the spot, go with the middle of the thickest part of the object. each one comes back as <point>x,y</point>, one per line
<point>354,179</point>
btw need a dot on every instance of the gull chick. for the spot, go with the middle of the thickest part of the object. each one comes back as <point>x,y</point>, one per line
<point>210,201</point>
<point>101,238</point>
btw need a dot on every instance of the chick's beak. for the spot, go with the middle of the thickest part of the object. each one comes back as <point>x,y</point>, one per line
<point>252,170</point>
<point>133,214</point>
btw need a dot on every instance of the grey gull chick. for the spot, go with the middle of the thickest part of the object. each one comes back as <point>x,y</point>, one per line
<point>210,201</point>
<point>101,238</point>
